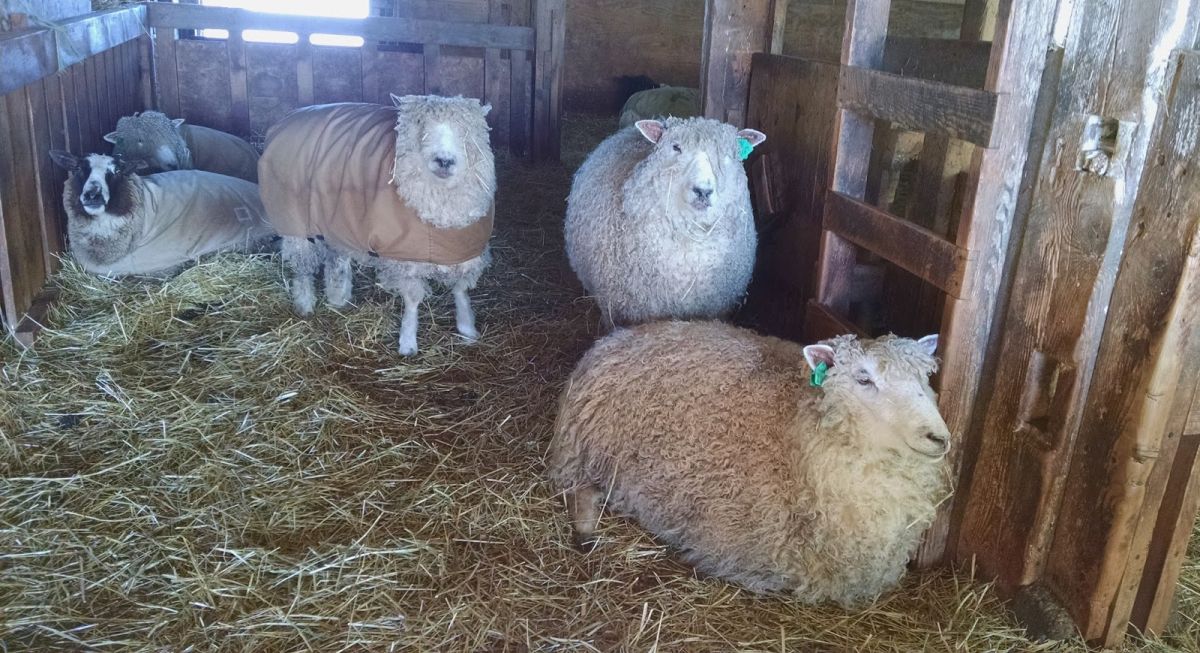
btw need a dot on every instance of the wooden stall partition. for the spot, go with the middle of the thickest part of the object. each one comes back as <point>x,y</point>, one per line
<point>475,48</point>
<point>1081,207</point>
<point>60,88</point>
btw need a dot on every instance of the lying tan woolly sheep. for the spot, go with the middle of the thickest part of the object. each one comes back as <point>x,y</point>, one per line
<point>164,144</point>
<point>712,438</point>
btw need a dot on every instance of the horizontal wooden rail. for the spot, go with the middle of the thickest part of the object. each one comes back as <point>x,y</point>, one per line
<point>402,30</point>
<point>919,104</point>
<point>913,248</point>
<point>31,54</point>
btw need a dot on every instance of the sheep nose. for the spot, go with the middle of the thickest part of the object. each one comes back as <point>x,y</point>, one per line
<point>938,438</point>
<point>702,194</point>
<point>443,163</point>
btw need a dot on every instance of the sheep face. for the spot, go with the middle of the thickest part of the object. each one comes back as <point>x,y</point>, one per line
<point>95,180</point>
<point>881,387</point>
<point>153,138</point>
<point>699,163</point>
<point>443,130</point>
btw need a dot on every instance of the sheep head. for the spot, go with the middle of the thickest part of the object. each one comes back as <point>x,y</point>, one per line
<point>879,390</point>
<point>153,138</point>
<point>443,130</point>
<point>97,184</point>
<point>699,161</point>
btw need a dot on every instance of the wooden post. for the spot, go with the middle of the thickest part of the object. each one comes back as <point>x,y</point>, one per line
<point>550,23</point>
<point>1074,235</point>
<point>733,31</point>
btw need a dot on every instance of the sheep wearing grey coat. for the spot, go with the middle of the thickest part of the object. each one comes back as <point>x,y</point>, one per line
<point>713,439</point>
<point>163,144</point>
<point>659,223</point>
<point>120,223</point>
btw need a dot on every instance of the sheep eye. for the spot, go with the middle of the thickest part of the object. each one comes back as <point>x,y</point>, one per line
<point>864,379</point>
<point>678,150</point>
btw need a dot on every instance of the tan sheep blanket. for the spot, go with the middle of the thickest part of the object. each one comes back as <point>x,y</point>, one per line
<point>217,151</point>
<point>188,214</point>
<point>326,172</point>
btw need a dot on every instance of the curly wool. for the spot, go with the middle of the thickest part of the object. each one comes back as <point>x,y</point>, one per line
<point>661,102</point>
<point>138,137</point>
<point>154,129</point>
<point>467,198</point>
<point>639,257</point>
<point>711,437</point>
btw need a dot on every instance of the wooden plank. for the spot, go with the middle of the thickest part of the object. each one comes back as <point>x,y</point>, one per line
<point>520,114</point>
<point>822,322</point>
<point>57,117</point>
<point>30,55</point>
<point>35,317</point>
<point>432,68</point>
<point>918,104</point>
<point>979,19</point>
<point>166,71</point>
<point>239,103</point>
<point>779,10</point>
<point>304,70</point>
<point>337,75</point>
<point>495,91</point>
<point>24,256</point>
<point>403,30</point>
<point>1067,261</point>
<point>43,173</point>
<point>97,101</point>
<point>734,31</point>
<point>550,24</point>
<point>206,98</point>
<point>913,248</point>
<point>83,108</point>
<point>70,111</point>
<point>146,76</point>
<point>1151,311</point>
<point>371,91</point>
<point>950,61</point>
<point>1014,75</point>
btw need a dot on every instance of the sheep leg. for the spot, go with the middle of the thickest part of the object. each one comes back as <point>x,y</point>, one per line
<point>584,505</point>
<point>303,259</point>
<point>338,279</point>
<point>464,315</point>
<point>412,291</point>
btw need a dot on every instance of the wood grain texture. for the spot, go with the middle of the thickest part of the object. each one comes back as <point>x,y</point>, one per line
<point>1073,236</point>
<point>1095,565</point>
<point>22,257</point>
<point>821,322</point>
<point>951,61</point>
<point>734,31</point>
<point>918,104</point>
<point>166,71</point>
<point>548,62</point>
<point>206,99</point>
<point>913,248</point>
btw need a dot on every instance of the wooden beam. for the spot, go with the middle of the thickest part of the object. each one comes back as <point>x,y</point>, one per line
<point>915,249</point>
<point>32,54</point>
<point>404,30</point>
<point>239,84</point>
<point>734,30</point>
<point>918,104</point>
<point>166,71</point>
<point>548,65</point>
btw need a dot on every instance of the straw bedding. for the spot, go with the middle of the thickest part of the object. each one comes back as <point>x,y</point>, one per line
<point>185,466</point>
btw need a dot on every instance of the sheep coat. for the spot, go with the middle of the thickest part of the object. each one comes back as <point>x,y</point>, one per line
<point>216,151</point>
<point>710,437</point>
<point>633,251</point>
<point>326,172</point>
<point>661,102</point>
<point>176,217</point>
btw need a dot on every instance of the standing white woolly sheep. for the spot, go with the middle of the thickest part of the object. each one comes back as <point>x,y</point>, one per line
<point>659,223</point>
<point>662,102</point>
<point>120,223</point>
<point>712,438</point>
<point>408,189</point>
<point>164,144</point>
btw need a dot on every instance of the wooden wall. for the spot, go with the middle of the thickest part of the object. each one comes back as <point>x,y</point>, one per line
<point>59,89</point>
<point>662,39</point>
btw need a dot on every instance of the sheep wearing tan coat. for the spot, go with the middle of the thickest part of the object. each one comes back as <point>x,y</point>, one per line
<point>712,438</point>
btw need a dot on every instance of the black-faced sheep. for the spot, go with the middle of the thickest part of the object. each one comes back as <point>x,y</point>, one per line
<point>659,223</point>
<point>712,438</point>
<point>120,223</point>
<point>164,144</point>
<point>407,189</point>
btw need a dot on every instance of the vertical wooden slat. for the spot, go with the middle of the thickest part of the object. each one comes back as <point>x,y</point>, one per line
<point>113,86</point>
<point>239,90</point>
<point>519,109</point>
<point>166,71</point>
<point>146,72</point>
<point>778,25</point>
<point>734,31</point>
<point>550,26</point>
<point>22,204</point>
<point>97,104</point>
<point>304,70</point>
<point>40,167</point>
<point>432,68</point>
<point>499,13</point>
<point>370,73</point>
<point>9,226</point>
<point>56,120</point>
<point>71,119</point>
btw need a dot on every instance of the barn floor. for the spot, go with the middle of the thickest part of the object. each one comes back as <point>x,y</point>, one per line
<point>186,466</point>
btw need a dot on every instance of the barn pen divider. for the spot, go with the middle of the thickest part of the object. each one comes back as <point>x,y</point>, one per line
<point>64,86</point>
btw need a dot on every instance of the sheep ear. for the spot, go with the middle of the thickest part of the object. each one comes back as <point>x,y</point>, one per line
<point>652,129</point>
<point>111,137</point>
<point>487,108</point>
<point>65,160</point>
<point>754,136</point>
<point>928,344</point>
<point>396,99</point>
<point>177,122</point>
<point>814,355</point>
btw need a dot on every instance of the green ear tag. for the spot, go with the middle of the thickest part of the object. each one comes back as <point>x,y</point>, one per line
<point>744,149</point>
<point>818,375</point>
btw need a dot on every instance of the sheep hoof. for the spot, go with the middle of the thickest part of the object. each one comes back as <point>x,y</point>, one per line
<point>302,311</point>
<point>471,336</point>
<point>406,349</point>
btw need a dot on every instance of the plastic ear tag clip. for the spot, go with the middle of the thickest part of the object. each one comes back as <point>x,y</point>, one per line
<point>818,375</point>
<point>744,149</point>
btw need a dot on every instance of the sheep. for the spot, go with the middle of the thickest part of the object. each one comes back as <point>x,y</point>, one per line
<point>165,144</point>
<point>659,223</point>
<point>417,205</point>
<point>662,102</point>
<point>120,223</point>
<point>712,438</point>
